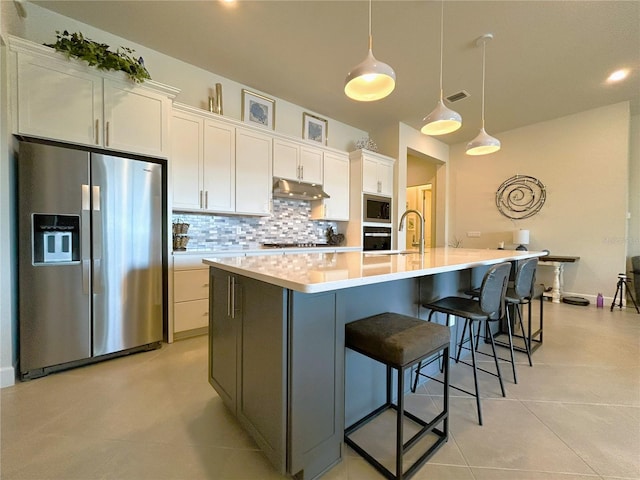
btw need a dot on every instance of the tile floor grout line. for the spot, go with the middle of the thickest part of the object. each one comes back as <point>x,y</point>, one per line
<point>559,437</point>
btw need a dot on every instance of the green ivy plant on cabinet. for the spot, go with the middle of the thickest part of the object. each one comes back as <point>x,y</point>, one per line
<point>64,99</point>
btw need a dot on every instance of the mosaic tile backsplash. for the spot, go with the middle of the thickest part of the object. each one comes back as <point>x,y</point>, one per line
<point>289,223</point>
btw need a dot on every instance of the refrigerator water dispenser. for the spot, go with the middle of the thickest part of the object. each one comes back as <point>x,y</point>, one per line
<point>57,247</point>
<point>56,238</point>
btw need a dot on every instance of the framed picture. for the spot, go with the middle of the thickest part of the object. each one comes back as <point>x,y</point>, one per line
<point>314,128</point>
<point>258,109</point>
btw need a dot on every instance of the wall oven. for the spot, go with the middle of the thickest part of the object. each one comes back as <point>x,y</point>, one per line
<point>376,209</point>
<point>376,238</point>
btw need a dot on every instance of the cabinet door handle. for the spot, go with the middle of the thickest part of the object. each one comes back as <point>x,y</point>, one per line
<point>206,199</point>
<point>228,296</point>
<point>233,297</point>
<point>301,172</point>
<point>106,135</point>
<point>97,132</point>
<point>201,199</point>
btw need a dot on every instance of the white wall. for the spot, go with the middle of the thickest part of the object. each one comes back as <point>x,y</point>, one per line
<point>633,243</point>
<point>8,305</point>
<point>583,160</point>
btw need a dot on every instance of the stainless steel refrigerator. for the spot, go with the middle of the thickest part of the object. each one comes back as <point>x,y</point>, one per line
<point>91,263</point>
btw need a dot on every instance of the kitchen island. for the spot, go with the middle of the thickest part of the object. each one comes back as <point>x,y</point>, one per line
<point>276,339</point>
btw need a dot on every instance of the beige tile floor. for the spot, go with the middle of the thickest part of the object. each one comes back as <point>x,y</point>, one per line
<point>574,415</point>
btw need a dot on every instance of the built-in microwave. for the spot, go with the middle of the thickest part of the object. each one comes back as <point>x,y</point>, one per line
<point>376,209</point>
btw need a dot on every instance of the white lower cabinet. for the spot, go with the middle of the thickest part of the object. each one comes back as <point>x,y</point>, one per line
<point>190,296</point>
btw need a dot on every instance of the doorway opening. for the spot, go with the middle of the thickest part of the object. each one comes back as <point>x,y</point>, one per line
<point>421,196</point>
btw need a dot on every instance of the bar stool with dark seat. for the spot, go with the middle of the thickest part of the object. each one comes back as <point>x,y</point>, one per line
<point>399,342</point>
<point>521,293</point>
<point>489,306</point>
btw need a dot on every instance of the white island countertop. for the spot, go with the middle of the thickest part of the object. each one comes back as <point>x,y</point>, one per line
<point>321,272</point>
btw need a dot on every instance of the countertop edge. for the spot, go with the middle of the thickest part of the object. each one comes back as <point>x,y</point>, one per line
<point>356,282</point>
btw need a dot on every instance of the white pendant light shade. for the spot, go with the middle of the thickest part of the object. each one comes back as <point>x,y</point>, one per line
<point>370,80</point>
<point>483,144</point>
<point>441,121</point>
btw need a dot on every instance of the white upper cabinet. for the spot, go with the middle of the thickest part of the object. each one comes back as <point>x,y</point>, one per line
<point>202,163</point>
<point>311,164</point>
<point>336,184</point>
<point>296,161</point>
<point>57,101</point>
<point>253,172</point>
<point>136,119</point>
<point>377,173</point>
<point>62,99</point>
<point>219,165</point>
<point>286,159</point>
<point>187,160</point>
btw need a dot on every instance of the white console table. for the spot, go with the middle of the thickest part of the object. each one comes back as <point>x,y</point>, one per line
<point>557,262</point>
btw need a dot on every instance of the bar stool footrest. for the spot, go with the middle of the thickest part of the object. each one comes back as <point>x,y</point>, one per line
<point>427,427</point>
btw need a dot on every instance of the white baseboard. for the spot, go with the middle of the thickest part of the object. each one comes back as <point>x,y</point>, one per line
<point>7,377</point>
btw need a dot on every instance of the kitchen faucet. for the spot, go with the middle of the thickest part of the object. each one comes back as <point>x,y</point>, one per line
<point>401,226</point>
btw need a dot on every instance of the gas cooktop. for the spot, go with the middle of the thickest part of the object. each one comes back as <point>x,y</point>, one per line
<point>294,245</point>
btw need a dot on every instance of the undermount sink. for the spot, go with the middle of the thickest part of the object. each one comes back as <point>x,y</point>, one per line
<point>390,252</point>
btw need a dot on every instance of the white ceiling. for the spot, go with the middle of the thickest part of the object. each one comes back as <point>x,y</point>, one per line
<point>548,58</point>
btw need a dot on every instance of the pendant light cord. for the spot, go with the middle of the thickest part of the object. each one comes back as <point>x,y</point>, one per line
<point>370,36</point>
<point>484,48</point>
<point>441,45</point>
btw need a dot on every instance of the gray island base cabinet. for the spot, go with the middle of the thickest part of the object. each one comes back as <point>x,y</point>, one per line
<point>276,341</point>
<point>275,360</point>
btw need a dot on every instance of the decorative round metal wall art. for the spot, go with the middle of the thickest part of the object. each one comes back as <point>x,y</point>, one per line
<point>521,196</point>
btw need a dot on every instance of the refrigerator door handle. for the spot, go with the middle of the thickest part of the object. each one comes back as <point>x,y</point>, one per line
<point>85,239</point>
<point>98,287</point>
<point>96,215</point>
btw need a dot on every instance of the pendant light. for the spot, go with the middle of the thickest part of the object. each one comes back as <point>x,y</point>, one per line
<point>484,143</point>
<point>372,79</point>
<point>441,120</point>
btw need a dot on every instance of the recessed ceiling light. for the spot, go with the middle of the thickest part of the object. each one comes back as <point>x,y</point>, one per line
<point>618,75</point>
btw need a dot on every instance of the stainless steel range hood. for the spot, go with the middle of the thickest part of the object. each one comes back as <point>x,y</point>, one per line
<point>297,190</point>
